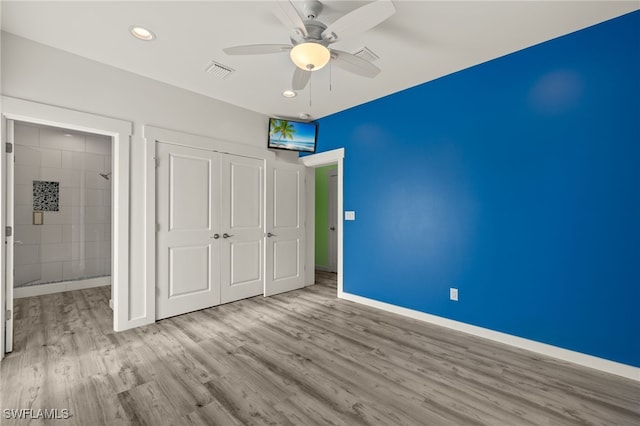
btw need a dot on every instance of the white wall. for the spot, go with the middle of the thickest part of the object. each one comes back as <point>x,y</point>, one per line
<point>73,242</point>
<point>46,75</point>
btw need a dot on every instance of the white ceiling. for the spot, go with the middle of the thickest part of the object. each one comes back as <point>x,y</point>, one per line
<point>424,40</point>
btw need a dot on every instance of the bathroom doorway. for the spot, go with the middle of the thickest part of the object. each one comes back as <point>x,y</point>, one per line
<point>119,132</point>
<point>62,210</point>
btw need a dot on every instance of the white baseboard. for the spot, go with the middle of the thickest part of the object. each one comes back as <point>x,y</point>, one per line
<point>590,361</point>
<point>39,290</point>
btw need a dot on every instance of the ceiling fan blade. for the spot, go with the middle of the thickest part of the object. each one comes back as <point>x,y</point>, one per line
<point>300,79</point>
<point>290,18</point>
<point>360,20</point>
<point>354,64</point>
<point>257,49</point>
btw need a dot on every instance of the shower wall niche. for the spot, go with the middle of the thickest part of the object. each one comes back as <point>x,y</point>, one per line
<point>62,205</point>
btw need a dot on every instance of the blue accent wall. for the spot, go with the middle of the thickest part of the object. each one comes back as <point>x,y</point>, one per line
<point>516,181</point>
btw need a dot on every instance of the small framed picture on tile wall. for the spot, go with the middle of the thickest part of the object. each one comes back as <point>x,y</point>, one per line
<point>46,196</point>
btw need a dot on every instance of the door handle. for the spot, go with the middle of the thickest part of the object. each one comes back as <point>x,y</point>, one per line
<point>333,228</point>
<point>215,236</point>
<point>269,234</point>
<point>225,235</point>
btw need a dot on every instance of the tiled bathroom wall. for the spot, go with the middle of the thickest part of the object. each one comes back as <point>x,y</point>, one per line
<point>74,240</point>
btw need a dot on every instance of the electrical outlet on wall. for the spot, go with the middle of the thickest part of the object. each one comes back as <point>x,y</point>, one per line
<point>453,294</point>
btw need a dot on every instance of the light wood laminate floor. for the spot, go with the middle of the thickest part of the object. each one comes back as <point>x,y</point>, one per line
<point>301,358</point>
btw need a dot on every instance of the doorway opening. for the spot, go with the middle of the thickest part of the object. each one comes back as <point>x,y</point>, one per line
<point>62,210</point>
<point>326,228</point>
<point>52,117</point>
<point>335,159</point>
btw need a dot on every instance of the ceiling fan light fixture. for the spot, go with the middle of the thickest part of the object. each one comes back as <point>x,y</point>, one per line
<point>310,56</point>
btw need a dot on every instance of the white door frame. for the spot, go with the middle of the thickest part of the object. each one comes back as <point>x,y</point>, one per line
<point>327,158</point>
<point>120,131</point>
<point>8,258</point>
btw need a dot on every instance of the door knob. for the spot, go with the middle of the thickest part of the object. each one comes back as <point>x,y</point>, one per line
<point>333,228</point>
<point>269,234</point>
<point>216,236</point>
<point>225,235</point>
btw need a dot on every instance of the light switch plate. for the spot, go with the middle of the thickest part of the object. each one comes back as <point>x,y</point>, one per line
<point>37,218</point>
<point>453,294</point>
<point>349,215</point>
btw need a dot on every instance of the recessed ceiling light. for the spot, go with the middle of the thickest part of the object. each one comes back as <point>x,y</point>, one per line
<point>304,116</point>
<point>289,94</point>
<point>141,33</point>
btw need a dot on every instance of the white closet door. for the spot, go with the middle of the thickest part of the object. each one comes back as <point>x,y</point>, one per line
<point>285,228</point>
<point>242,224</point>
<point>188,242</point>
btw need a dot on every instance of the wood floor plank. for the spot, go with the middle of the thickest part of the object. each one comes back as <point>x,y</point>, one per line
<point>479,391</point>
<point>378,387</point>
<point>245,404</point>
<point>300,358</point>
<point>390,371</point>
<point>302,409</point>
<point>175,382</point>
<point>212,414</point>
<point>147,405</point>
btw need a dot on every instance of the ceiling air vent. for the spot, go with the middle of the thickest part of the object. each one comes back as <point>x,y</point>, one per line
<point>366,54</point>
<point>217,69</point>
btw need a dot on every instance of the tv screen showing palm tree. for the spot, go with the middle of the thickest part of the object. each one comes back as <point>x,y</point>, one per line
<point>292,135</point>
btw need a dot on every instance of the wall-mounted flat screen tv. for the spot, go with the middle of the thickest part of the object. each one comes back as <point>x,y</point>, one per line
<point>292,135</point>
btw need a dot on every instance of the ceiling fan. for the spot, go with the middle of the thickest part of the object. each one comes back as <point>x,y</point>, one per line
<point>310,39</point>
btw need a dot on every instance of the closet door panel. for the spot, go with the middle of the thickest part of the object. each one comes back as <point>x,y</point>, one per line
<point>242,224</point>
<point>285,255</point>
<point>188,254</point>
